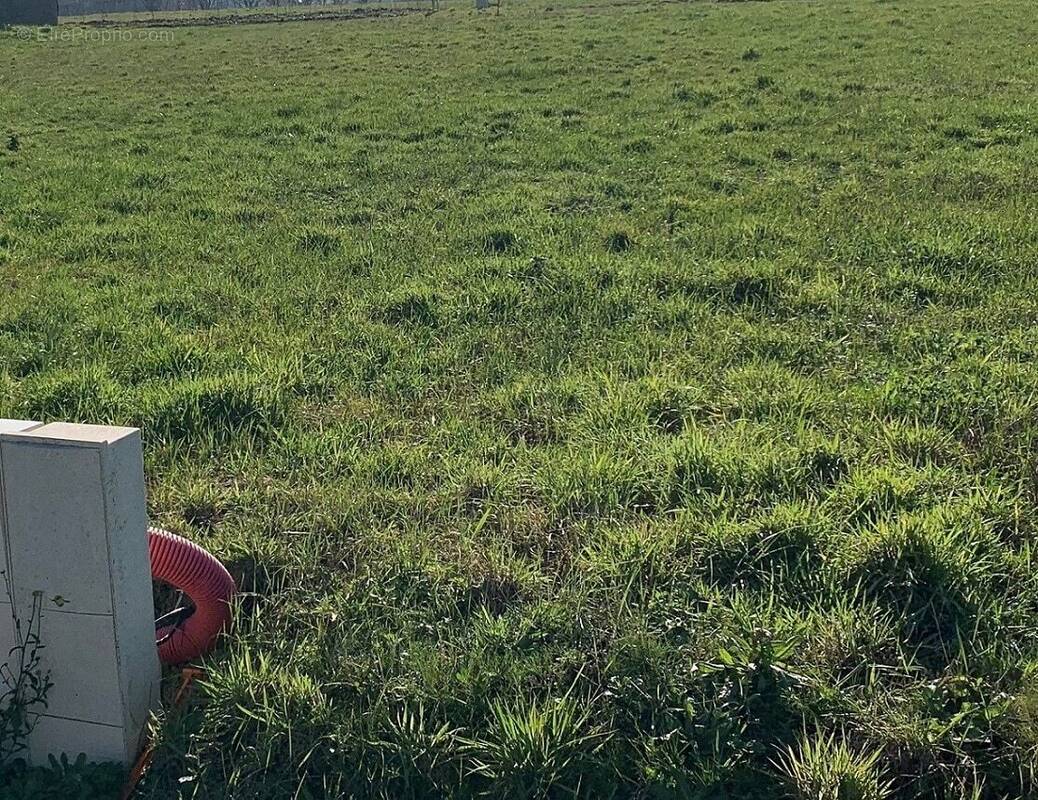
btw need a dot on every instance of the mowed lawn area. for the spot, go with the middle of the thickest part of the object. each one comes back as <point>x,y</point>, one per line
<point>599,399</point>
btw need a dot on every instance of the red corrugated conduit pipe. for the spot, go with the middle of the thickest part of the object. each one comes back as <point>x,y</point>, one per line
<point>187,567</point>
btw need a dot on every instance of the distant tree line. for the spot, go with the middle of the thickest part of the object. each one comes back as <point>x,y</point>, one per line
<point>78,8</point>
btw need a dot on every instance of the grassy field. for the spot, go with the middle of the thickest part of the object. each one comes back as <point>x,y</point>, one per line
<point>601,399</point>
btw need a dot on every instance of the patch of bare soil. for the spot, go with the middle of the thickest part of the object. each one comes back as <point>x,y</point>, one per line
<point>250,19</point>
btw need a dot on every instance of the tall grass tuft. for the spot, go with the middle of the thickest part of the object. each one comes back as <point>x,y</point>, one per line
<point>827,768</point>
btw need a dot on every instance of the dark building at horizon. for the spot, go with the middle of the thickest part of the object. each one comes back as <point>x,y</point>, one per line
<point>28,12</point>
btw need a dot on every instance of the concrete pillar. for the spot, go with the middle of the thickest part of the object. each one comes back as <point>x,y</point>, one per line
<point>73,525</point>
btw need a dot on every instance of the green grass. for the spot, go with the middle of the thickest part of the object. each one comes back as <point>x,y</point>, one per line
<point>629,400</point>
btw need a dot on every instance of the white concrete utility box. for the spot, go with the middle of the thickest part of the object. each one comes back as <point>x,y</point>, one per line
<point>73,532</point>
